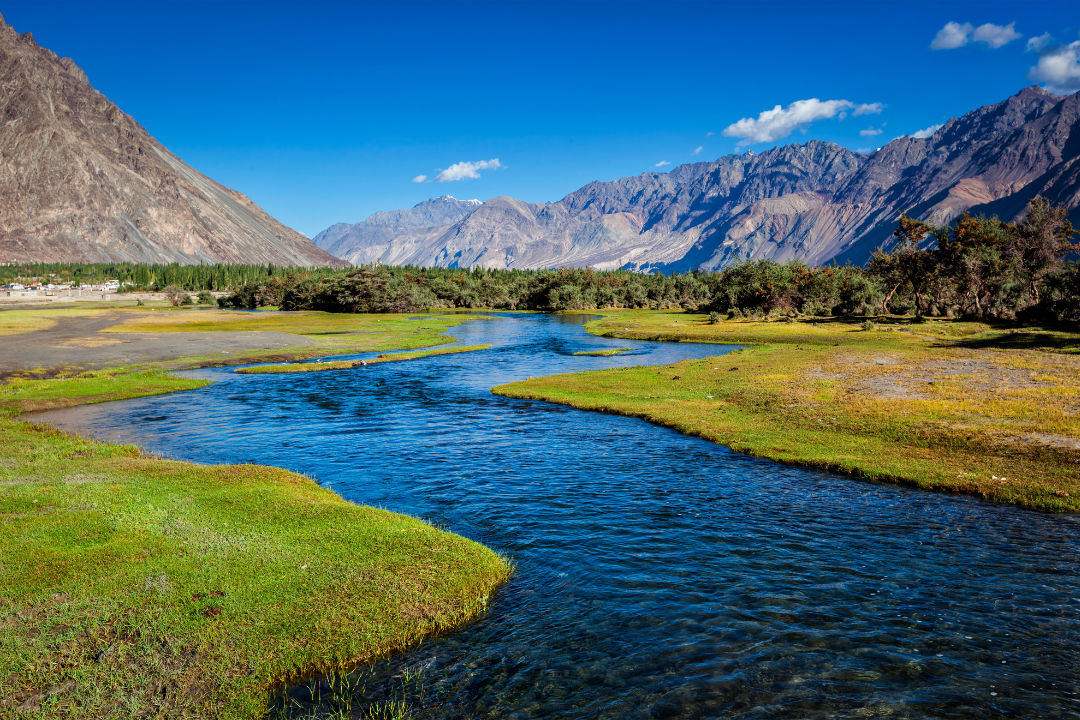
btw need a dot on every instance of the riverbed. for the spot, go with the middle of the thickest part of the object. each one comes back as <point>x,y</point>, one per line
<point>658,575</point>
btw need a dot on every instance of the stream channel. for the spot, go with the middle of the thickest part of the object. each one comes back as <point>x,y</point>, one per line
<point>658,575</point>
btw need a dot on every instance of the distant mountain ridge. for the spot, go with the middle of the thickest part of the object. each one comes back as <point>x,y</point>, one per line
<point>358,242</point>
<point>817,202</point>
<point>82,181</point>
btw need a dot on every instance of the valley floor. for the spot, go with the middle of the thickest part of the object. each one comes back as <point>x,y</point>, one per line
<point>133,586</point>
<point>942,405</point>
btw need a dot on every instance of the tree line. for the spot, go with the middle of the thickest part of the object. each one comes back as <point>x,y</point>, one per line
<point>980,267</point>
<point>154,278</point>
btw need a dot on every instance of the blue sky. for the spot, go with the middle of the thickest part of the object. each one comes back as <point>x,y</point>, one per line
<point>327,112</point>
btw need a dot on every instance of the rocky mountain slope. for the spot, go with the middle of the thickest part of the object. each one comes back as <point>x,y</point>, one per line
<point>817,202</point>
<point>368,240</point>
<point>82,181</point>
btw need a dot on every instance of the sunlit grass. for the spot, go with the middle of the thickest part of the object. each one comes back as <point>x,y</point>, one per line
<point>604,353</point>
<point>193,591</point>
<point>348,364</point>
<point>956,415</point>
<point>137,586</point>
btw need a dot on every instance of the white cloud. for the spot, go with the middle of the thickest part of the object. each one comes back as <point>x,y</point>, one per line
<point>780,122</point>
<point>926,132</point>
<point>953,35</point>
<point>662,163</point>
<point>865,151</point>
<point>709,134</point>
<point>1040,43</point>
<point>868,109</point>
<point>995,35</point>
<point>467,170</point>
<point>698,149</point>
<point>1058,67</point>
<point>871,131</point>
<point>420,178</point>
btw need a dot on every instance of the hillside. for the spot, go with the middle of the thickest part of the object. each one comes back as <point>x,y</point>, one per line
<point>817,202</point>
<point>82,181</point>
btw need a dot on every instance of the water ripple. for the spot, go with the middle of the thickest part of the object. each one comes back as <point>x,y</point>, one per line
<point>660,576</point>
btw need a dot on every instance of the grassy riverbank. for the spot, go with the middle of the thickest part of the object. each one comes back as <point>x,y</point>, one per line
<point>326,333</point>
<point>348,364</point>
<point>134,586</point>
<point>603,353</point>
<point>941,405</point>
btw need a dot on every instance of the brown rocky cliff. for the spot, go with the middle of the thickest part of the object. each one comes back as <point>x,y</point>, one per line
<point>82,181</point>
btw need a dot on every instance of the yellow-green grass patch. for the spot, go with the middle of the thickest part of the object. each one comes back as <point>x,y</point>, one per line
<point>604,353</point>
<point>16,322</point>
<point>962,416</point>
<point>347,364</point>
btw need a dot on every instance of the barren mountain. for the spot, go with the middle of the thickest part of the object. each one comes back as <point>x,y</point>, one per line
<point>82,181</point>
<point>816,202</point>
<point>368,240</point>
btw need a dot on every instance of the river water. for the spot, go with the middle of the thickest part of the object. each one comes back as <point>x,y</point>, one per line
<point>658,575</point>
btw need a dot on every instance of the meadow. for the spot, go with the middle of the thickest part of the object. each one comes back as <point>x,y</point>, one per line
<point>944,404</point>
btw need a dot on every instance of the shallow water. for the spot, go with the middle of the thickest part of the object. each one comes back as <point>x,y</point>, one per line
<point>659,576</point>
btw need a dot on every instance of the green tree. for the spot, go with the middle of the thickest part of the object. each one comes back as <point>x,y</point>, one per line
<point>1040,243</point>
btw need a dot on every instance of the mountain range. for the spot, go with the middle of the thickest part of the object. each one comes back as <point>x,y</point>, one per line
<point>817,202</point>
<point>82,181</point>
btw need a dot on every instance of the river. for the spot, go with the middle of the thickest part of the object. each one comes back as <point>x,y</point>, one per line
<point>658,575</point>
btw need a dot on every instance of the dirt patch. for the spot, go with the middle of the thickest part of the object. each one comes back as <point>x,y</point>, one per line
<point>80,343</point>
<point>980,375</point>
<point>1048,440</point>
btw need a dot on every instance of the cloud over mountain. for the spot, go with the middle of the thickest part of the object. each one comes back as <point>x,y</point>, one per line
<point>1058,66</point>
<point>467,170</point>
<point>780,122</point>
<point>927,132</point>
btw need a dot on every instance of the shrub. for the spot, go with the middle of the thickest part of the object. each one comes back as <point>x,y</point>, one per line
<point>868,325</point>
<point>175,295</point>
<point>206,298</point>
<point>714,317</point>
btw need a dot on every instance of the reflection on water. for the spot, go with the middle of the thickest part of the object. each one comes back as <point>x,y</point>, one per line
<point>658,575</point>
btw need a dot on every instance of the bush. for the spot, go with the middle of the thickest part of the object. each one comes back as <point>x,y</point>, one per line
<point>175,295</point>
<point>868,325</point>
<point>206,298</point>
<point>714,317</point>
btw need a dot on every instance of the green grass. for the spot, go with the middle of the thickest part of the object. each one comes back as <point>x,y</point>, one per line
<point>604,353</point>
<point>134,586</point>
<point>348,364</point>
<point>21,395</point>
<point>950,406</point>
<point>138,586</point>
